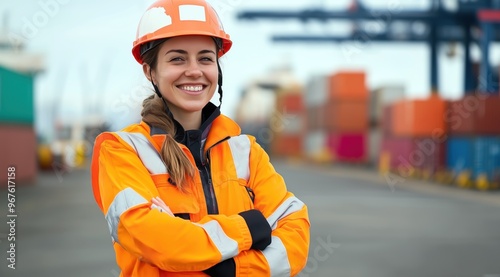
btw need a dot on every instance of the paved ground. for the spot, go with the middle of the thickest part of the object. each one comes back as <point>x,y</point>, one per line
<point>361,227</point>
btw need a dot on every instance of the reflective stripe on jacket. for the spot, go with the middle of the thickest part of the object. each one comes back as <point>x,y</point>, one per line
<point>127,173</point>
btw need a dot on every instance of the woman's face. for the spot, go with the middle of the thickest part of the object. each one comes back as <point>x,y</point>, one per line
<point>186,73</point>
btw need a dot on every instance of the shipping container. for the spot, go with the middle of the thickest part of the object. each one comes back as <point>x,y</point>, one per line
<point>487,162</point>
<point>287,123</point>
<point>348,86</point>
<point>316,91</point>
<point>18,149</point>
<point>285,145</point>
<point>315,147</point>
<point>386,123</point>
<point>312,119</point>
<point>474,161</point>
<point>419,117</point>
<point>348,147</point>
<point>290,103</point>
<point>474,115</point>
<point>460,159</point>
<point>413,156</point>
<point>16,97</point>
<point>381,98</point>
<point>344,116</point>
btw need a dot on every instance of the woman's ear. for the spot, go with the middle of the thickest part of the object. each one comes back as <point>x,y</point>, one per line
<point>147,71</point>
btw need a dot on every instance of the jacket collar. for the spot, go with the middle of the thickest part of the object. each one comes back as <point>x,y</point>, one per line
<point>222,128</point>
<point>209,113</point>
<point>215,128</point>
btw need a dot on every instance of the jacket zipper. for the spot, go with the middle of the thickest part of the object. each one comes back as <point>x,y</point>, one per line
<point>208,187</point>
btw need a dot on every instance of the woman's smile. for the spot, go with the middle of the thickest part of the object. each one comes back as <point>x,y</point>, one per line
<point>192,89</point>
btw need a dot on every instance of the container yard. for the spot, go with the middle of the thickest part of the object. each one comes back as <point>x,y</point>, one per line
<point>434,138</point>
<point>382,118</point>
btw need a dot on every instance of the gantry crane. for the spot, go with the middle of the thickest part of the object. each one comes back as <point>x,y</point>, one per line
<point>471,21</point>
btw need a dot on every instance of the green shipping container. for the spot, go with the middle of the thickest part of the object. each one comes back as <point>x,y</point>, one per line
<point>16,97</point>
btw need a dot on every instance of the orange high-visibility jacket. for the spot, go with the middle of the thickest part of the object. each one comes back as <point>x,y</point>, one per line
<point>127,173</point>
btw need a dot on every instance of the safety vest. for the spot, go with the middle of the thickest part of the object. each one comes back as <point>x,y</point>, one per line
<point>127,172</point>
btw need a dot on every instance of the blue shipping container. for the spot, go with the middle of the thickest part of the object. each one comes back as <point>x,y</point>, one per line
<point>478,155</point>
<point>460,155</point>
<point>487,158</point>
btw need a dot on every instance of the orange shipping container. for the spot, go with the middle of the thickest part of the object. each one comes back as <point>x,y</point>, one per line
<point>287,145</point>
<point>348,86</point>
<point>290,103</point>
<point>419,117</point>
<point>344,116</point>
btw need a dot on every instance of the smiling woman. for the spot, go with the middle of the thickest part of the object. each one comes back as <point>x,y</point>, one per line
<point>185,71</point>
<point>184,192</point>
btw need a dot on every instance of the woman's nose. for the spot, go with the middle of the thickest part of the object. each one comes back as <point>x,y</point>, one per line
<point>193,70</point>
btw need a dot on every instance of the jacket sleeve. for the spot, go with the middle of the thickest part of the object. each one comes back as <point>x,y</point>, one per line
<point>286,214</point>
<point>123,189</point>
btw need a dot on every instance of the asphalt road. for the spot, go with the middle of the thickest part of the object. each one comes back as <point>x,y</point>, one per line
<point>362,226</point>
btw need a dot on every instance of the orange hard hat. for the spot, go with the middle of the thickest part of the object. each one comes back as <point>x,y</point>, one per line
<point>171,18</point>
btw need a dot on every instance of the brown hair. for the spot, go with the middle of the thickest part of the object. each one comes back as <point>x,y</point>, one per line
<point>154,113</point>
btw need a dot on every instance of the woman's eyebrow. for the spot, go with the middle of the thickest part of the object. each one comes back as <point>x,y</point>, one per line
<point>180,51</point>
<point>206,51</point>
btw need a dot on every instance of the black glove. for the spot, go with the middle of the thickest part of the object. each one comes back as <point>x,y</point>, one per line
<point>259,229</point>
<point>225,268</point>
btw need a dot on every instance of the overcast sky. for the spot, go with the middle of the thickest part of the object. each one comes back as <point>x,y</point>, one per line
<point>87,47</point>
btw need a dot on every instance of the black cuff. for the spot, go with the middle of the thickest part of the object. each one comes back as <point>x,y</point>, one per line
<point>225,268</point>
<point>259,229</point>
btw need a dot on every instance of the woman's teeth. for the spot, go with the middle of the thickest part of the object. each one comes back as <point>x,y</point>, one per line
<point>192,88</point>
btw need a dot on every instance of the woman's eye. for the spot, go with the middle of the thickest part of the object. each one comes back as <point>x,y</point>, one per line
<point>176,59</point>
<point>208,59</point>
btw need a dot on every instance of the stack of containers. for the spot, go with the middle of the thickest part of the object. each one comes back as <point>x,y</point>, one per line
<point>414,137</point>
<point>380,98</point>
<point>18,145</point>
<point>473,157</point>
<point>287,123</point>
<point>337,109</point>
<point>315,146</point>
